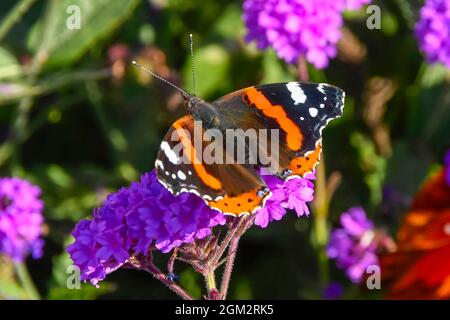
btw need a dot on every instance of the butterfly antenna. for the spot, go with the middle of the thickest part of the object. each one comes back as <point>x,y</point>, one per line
<point>191,45</point>
<point>160,78</point>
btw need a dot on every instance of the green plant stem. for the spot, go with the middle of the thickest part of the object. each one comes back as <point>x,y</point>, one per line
<point>14,16</point>
<point>210,281</point>
<point>46,86</point>
<point>21,130</point>
<point>110,132</point>
<point>26,281</point>
<point>320,221</point>
<point>320,199</point>
<point>19,126</point>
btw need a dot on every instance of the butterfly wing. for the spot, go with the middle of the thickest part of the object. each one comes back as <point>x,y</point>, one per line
<point>230,188</point>
<point>299,111</point>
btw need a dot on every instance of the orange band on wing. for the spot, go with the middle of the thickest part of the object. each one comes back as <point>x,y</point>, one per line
<point>303,165</point>
<point>294,137</point>
<point>241,204</point>
<point>206,178</point>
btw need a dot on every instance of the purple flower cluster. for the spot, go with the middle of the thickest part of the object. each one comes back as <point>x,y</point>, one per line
<point>447,167</point>
<point>355,4</point>
<point>309,28</point>
<point>134,218</point>
<point>433,31</point>
<point>353,245</point>
<point>292,194</point>
<point>333,291</point>
<point>20,219</point>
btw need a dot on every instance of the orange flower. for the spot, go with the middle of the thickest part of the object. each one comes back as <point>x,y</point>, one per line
<point>420,268</point>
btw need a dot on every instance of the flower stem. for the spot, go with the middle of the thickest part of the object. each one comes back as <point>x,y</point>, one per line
<point>320,198</point>
<point>14,16</point>
<point>20,125</point>
<point>210,281</point>
<point>159,275</point>
<point>320,221</point>
<point>302,68</point>
<point>229,267</point>
<point>226,241</point>
<point>26,281</point>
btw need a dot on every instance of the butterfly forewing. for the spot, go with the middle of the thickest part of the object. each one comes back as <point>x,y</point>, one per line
<point>299,111</point>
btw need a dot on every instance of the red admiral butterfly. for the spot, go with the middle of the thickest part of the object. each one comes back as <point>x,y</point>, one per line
<point>298,111</point>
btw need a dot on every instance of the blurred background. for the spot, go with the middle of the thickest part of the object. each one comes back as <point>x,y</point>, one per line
<point>77,119</point>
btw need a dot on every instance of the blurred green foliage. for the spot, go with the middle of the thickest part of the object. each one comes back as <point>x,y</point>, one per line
<point>79,121</point>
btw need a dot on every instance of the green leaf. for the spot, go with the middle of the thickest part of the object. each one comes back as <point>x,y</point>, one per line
<point>212,64</point>
<point>147,34</point>
<point>230,24</point>
<point>243,290</point>
<point>433,74</point>
<point>373,165</point>
<point>86,292</point>
<point>60,264</point>
<point>189,281</point>
<point>58,284</point>
<point>64,45</point>
<point>59,176</point>
<point>273,69</point>
<point>9,67</point>
<point>389,23</point>
<point>407,169</point>
<point>10,289</point>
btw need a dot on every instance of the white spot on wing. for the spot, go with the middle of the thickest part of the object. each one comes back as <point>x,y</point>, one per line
<point>190,172</point>
<point>322,105</point>
<point>321,87</point>
<point>159,164</point>
<point>313,112</point>
<point>297,93</point>
<point>169,153</point>
<point>181,175</point>
<point>174,176</point>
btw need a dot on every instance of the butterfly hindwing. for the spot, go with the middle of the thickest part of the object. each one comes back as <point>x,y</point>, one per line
<point>231,188</point>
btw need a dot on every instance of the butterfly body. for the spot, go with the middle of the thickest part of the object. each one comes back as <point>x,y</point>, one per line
<point>278,126</point>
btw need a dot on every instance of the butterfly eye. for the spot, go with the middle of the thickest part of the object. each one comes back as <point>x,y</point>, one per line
<point>215,121</point>
<point>186,96</point>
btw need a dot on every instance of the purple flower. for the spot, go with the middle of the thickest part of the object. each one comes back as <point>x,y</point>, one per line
<point>292,194</point>
<point>433,31</point>
<point>355,4</point>
<point>333,291</point>
<point>447,167</point>
<point>20,219</point>
<point>134,218</point>
<point>309,28</point>
<point>354,246</point>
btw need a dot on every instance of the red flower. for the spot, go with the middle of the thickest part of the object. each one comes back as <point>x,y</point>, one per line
<point>420,268</point>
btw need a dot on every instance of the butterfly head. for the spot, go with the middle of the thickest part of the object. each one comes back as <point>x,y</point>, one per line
<point>200,110</point>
